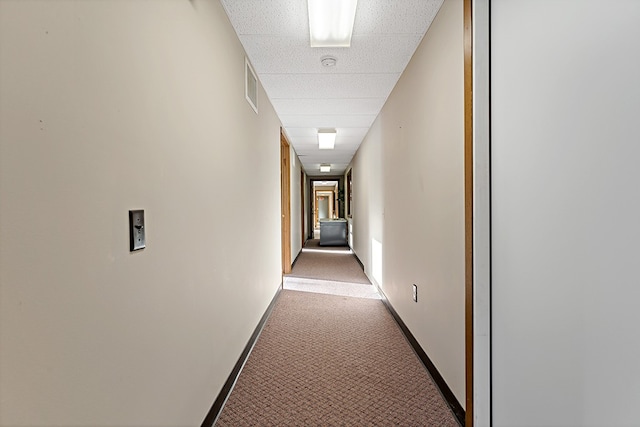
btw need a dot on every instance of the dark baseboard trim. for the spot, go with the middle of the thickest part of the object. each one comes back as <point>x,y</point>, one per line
<point>218,404</point>
<point>358,259</point>
<point>297,256</point>
<point>446,392</point>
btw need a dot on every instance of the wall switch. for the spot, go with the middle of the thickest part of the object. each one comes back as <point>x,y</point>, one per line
<point>136,230</point>
<point>415,293</point>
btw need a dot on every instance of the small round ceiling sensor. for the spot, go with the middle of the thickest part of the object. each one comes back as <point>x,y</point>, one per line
<point>328,61</point>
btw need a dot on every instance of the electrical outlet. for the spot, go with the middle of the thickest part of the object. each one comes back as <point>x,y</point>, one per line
<point>415,293</point>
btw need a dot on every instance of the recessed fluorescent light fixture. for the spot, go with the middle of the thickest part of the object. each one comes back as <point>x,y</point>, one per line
<point>325,168</point>
<point>331,22</point>
<point>326,139</point>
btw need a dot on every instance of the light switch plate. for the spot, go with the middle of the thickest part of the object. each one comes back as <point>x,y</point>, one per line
<point>136,230</point>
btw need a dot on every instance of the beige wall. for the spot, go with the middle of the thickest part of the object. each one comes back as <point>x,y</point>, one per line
<point>409,196</point>
<point>367,209</point>
<point>106,107</point>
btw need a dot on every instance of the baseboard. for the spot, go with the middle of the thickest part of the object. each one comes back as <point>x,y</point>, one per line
<point>218,404</point>
<point>446,392</point>
<point>357,259</point>
<point>296,259</point>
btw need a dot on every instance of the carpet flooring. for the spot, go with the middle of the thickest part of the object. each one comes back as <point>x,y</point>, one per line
<point>358,290</point>
<point>315,244</point>
<point>328,263</point>
<point>326,360</point>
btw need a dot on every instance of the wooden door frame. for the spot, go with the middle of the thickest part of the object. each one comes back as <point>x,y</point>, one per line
<point>285,202</point>
<point>302,218</point>
<point>348,193</point>
<point>468,208</point>
<point>331,208</point>
<point>311,190</point>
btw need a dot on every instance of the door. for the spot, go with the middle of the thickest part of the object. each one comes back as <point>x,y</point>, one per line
<point>285,192</point>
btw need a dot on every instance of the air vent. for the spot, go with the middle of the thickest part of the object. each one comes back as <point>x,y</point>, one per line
<point>250,86</point>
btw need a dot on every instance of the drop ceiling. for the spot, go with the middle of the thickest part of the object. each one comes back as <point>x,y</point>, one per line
<point>348,96</point>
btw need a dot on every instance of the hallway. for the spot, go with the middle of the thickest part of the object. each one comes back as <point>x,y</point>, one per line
<point>325,358</point>
<point>496,178</point>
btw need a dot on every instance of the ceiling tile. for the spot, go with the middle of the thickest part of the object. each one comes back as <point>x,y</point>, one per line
<point>281,17</point>
<point>329,85</point>
<point>281,54</point>
<point>301,132</point>
<point>370,106</point>
<point>395,17</point>
<point>328,158</point>
<point>327,121</point>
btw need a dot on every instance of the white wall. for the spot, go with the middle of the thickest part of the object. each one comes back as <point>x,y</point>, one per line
<point>565,99</point>
<point>106,107</point>
<point>408,179</point>
<point>296,209</point>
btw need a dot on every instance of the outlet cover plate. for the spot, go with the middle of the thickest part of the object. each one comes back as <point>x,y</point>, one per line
<point>137,230</point>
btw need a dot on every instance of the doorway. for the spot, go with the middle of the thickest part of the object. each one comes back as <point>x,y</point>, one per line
<point>325,203</point>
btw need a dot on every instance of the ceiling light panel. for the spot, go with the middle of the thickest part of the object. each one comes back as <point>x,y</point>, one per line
<point>323,158</point>
<point>346,143</point>
<point>326,139</point>
<point>312,132</point>
<point>336,169</point>
<point>331,22</point>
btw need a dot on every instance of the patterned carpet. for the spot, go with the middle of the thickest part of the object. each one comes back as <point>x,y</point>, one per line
<point>326,360</point>
<point>358,290</point>
<point>333,263</point>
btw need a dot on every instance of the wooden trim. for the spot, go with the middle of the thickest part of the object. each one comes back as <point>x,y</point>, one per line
<point>446,392</point>
<point>468,207</point>
<point>302,236</point>
<point>311,213</point>
<point>218,404</point>
<point>285,209</point>
<point>348,194</point>
<point>331,204</point>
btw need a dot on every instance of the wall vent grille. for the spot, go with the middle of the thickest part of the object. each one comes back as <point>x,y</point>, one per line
<point>250,86</point>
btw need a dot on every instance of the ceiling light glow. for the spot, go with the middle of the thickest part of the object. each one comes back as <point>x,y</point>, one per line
<point>331,22</point>
<point>326,139</point>
<point>325,168</point>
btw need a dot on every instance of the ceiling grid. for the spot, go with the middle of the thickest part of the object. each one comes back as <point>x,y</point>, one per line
<point>348,96</point>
